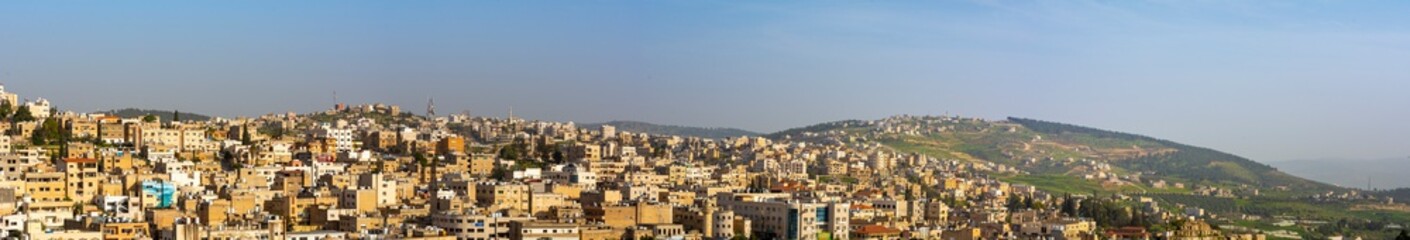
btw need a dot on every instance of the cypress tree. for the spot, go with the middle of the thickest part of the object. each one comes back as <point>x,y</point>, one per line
<point>1069,206</point>
<point>6,110</point>
<point>245,134</point>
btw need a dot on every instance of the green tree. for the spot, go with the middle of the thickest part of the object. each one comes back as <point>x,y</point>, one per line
<point>22,115</point>
<point>78,208</point>
<point>245,134</point>
<point>6,110</point>
<point>1403,235</point>
<point>273,131</point>
<point>49,132</point>
<point>149,118</point>
<point>542,151</point>
<point>511,151</point>
<point>1069,206</point>
<point>499,172</point>
<point>557,156</point>
<point>176,116</point>
<point>37,139</point>
<point>420,159</point>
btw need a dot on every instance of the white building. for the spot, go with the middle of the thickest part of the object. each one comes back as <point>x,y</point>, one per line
<point>775,215</point>
<point>8,97</point>
<point>13,222</point>
<point>572,173</point>
<point>40,109</point>
<point>316,235</point>
<point>342,137</point>
<point>121,206</point>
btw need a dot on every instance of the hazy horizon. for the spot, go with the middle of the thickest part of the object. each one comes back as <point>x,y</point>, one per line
<point>1271,81</point>
<point>1384,173</point>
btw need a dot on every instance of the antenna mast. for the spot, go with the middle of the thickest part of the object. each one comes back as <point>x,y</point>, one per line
<point>431,107</point>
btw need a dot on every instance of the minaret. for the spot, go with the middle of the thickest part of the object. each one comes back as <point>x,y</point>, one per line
<point>435,178</point>
<point>431,107</point>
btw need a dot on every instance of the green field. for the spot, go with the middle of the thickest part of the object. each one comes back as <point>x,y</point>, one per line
<point>1057,183</point>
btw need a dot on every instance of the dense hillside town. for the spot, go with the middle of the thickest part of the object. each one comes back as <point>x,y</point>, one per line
<point>377,171</point>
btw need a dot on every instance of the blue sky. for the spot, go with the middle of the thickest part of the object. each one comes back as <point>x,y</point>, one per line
<point>1271,80</point>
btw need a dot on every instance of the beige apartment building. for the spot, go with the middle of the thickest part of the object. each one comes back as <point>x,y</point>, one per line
<point>500,196</point>
<point>46,186</point>
<point>543,230</point>
<point>625,216</point>
<point>82,178</point>
<point>471,225</point>
<point>361,200</point>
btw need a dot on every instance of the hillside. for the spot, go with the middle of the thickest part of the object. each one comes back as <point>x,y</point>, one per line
<point>650,128</point>
<point>1070,159</point>
<point>164,115</point>
<point>1057,149</point>
<point>1186,162</point>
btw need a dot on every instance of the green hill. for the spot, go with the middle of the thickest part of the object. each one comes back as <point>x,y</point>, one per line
<point>651,128</point>
<point>1069,159</point>
<point>1187,162</point>
<point>1058,149</point>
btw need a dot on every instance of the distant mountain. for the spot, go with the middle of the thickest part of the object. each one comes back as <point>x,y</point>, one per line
<point>1058,151</point>
<point>164,115</point>
<point>1379,173</point>
<point>1400,194</point>
<point>651,128</point>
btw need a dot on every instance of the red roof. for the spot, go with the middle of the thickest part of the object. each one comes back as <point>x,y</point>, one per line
<point>1128,232</point>
<point>788,186</point>
<point>877,229</point>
